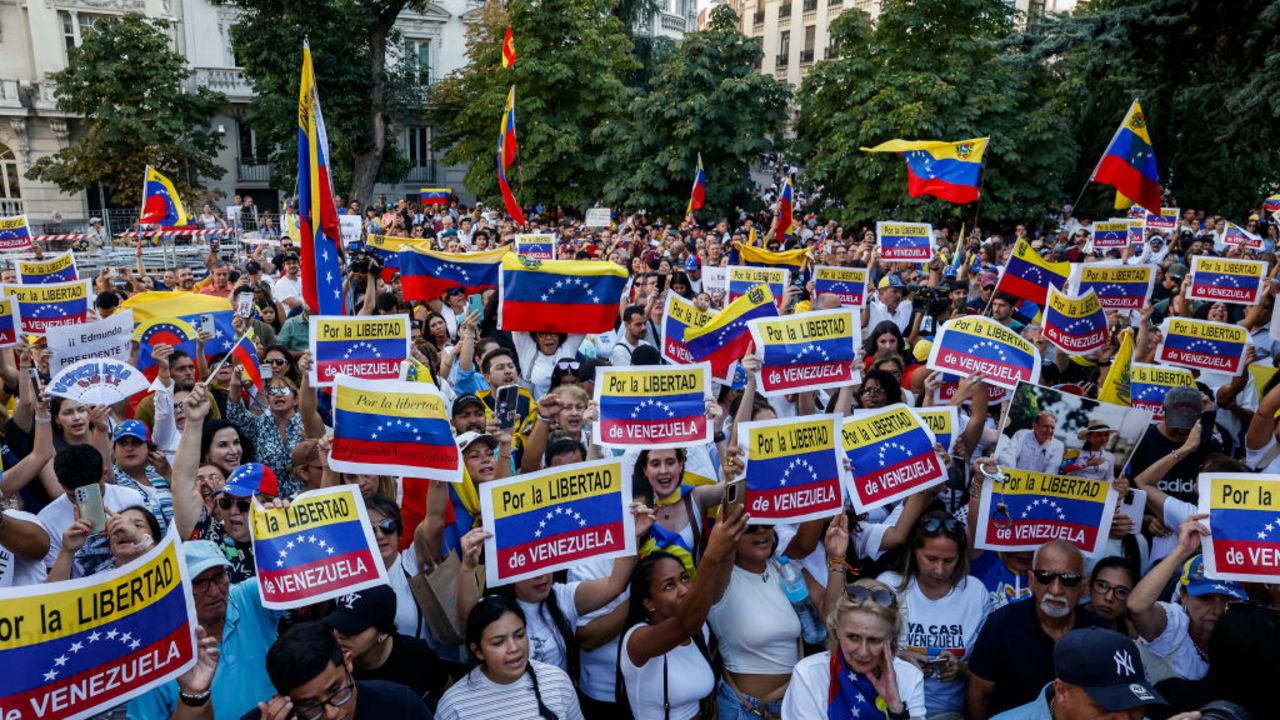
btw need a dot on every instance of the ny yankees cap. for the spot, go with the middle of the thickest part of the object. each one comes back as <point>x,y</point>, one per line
<point>358,611</point>
<point>1106,665</point>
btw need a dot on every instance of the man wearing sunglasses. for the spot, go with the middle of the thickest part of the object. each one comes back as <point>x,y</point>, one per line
<point>312,677</point>
<point>1013,657</point>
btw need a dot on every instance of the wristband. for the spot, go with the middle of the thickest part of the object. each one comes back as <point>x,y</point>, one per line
<point>193,699</point>
<point>47,419</point>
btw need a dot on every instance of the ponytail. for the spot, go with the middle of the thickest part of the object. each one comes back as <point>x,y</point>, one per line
<point>543,711</point>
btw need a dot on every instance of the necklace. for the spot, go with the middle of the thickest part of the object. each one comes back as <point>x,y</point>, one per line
<point>665,504</point>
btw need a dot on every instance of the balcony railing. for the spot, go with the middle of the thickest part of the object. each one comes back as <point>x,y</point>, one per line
<point>674,23</point>
<point>228,81</point>
<point>782,60</point>
<point>422,173</point>
<point>835,3</point>
<point>253,171</point>
<point>759,17</point>
<point>9,207</point>
<point>806,56</point>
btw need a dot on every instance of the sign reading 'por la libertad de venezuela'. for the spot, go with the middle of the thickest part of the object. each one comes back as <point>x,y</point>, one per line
<point>973,344</point>
<point>660,407</point>
<point>1244,526</point>
<point>1028,509</point>
<point>72,649</point>
<point>553,519</point>
<point>808,351</point>
<point>793,468</point>
<point>892,454</point>
<point>1203,345</point>
<point>362,347</point>
<point>904,241</point>
<point>320,547</point>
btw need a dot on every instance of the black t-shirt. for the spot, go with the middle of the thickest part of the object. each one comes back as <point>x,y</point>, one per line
<point>1180,482</point>
<point>1015,654</point>
<point>377,700</point>
<point>412,664</point>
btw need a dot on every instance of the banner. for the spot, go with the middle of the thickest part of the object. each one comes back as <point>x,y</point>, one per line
<point>794,471</point>
<point>809,351</point>
<point>966,345</point>
<point>942,421</point>
<point>318,548</point>
<point>1111,234</point>
<point>15,233</point>
<point>1238,236</point>
<point>892,455</point>
<point>370,347</point>
<point>350,228</point>
<point>1162,222</point>
<point>1225,280</point>
<point>1244,526</point>
<point>1137,230</point>
<point>556,518</point>
<point>715,279</point>
<point>536,246</point>
<point>742,278</point>
<point>393,427</point>
<point>678,315</point>
<point>97,382</point>
<point>951,384</point>
<point>1118,286</point>
<point>599,217</point>
<point>1075,325</point>
<point>1029,509</point>
<point>904,241</point>
<point>847,284</point>
<point>10,323</point>
<point>61,268</point>
<point>106,339</point>
<point>661,407</point>
<point>1148,384</point>
<point>75,648</point>
<point>46,306</point>
<point>1203,345</point>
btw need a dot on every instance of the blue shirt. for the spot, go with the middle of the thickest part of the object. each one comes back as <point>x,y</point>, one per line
<point>240,681</point>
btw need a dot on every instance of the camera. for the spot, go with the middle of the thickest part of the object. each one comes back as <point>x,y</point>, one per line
<point>930,300</point>
<point>364,261</point>
<point>1224,710</point>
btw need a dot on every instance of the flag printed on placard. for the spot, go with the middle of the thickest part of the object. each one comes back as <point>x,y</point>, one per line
<point>61,268</point>
<point>724,338</point>
<point>1111,234</point>
<point>79,647</point>
<point>52,305</point>
<point>966,345</point>
<point>10,322</point>
<point>558,296</point>
<point>1029,276</point>
<point>393,427</point>
<point>536,246</point>
<point>741,279</point>
<point>951,385</point>
<point>1117,286</point>
<point>1163,222</point>
<point>661,407</point>
<point>679,315</point>
<point>174,332</point>
<point>320,547</point>
<point>1203,345</point>
<point>1148,384</point>
<point>793,468</point>
<point>1137,230</point>
<point>809,351</point>
<point>428,274</point>
<point>942,421</point>
<point>1244,526</point>
<point>847,284</point>
<point>1238,236</point>
<point>556,518</point>
<point>369,347</point>
<point>1227,280</point>
<point>904,241</point>
<point>1075,325</point>
<point>15,233</point>
<point>892,455</point>
<point>1028,509</point>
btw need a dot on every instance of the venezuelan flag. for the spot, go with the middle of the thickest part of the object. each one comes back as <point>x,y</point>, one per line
<point>187,307</point>
<point>786,206</point>
<point>950,171</point>
<point>759,257</point>
<point>678,316</point>
<point>160,202</point>
<point>428,274</point>
<point>1129,162</point>
<point>387,249</point>
<point>1271,205</point>
<point>559,296</point>
<point>10,322</point>
<point>435,196</point>
<point>393,427</point>
<point>1029,276</point>
<point>247,354</point>
<point>317,217</point>
<point>698,195</point>
<point>507,155</point>
<point>724,339</point>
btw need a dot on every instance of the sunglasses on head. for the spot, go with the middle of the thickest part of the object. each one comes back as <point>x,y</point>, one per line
<point>568,364</point>
<point>226,502</point>
<point>1068,580</point>
<point>861,595</point>
<point>949,525</point>
<point>387,526</point>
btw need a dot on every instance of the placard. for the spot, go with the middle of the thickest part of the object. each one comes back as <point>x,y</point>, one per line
<point>1117,285</point>
<point>1028,509</point>
<point>1244,526</point>
<point>53,305</point>
<point>108,338</point>
<point>742,278</point>
<point>1227,280</point>
<point>808,351</point>
<point>1110,234</point>
<point>351,228</point>
<point>892,455</point>
<point>794,471</point>
<point>678,315</point>
<point>370,347</point>
<point>904,241</point>
<point>536,246</point>
<point>393,427</point>
<point>658,407</point>
<point>1075,325</point>
<point>10,322</point>
<point>847,284</point>
<point>1203,345</point>
<point>599,217</point>
<point>969,344</point>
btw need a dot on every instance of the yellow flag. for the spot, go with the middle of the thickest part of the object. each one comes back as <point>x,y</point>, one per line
<point>1115,387</point>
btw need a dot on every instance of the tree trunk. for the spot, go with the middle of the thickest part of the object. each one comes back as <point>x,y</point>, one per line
<point>366,165</point>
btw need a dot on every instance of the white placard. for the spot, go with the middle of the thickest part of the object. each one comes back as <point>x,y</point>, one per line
<point>109,338</point>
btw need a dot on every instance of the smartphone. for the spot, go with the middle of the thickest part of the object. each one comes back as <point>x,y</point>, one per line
<point>34,375</point>
<point>244,305</point>
<point>206,323</point>
<point>89,505</point>
<point>475,304</point>
<point>505,405</point>
<point>266,372</point>
<point>735,493</point>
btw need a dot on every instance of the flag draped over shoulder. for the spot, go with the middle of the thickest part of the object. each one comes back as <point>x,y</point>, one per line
<point>698,195</point>
<point>507,156</point>
<point>317,217</point>
<point>559,296</point>
<point>1129,162</point>
<point>160,202</point>
<point>950,171</point>
<point>427,274</point>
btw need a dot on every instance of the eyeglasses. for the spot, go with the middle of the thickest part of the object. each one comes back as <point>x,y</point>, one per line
<point>336,699</point>
<point>277,361</point>
<point>872,390</point>
<point>1102,587</point>
<point>568,364</point>
<point>226,503</point>
<point>1069,580</point>
<point>279,391</point>
<point>942,524</point>
<point>202,585</point>
<point>860,595</point>
<point>387,526</point>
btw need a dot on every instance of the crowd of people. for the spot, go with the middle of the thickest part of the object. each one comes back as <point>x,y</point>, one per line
<point>912,621</point>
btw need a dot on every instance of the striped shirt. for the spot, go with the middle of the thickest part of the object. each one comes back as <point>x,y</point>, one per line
<point>477,697</point>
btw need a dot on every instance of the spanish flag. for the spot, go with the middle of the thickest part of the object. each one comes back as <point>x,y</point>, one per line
<point>508,50</point>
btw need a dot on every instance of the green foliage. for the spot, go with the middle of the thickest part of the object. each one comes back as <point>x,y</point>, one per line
<point>126,84</point>
<point>571,58</point>
<point>707,98</point>
<point>932,69</point>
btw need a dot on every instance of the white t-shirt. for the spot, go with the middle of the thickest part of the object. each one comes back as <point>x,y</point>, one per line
<point>476,697</point>
<point>599,666</point>
<point>747,644</point>
<point>59,514</point>
<point>285,288</point>
<point>620,353</point>
<point>932,627</point>
<point>688,680</point>
<point>806,697</point>
<point>15,570</point>
<point>1174,644</point>
<point>546,644</point>
<point>409,618</point>
<point>879,312</point>
<point>1253,457</point>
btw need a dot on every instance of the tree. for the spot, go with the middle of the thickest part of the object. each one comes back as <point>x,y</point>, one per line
<point>361,79</point>
<point>932,69</point>
<point>571,58</point>
<point>127,85</point>
<point>707,98</point>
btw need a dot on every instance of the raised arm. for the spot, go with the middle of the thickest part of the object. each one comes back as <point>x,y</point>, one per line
<point>592,595</point>
<point>187,502</point>
<point>1262,426</point>
<point>1148,617</point>
<point>29,467</point>
<point>312,423</point>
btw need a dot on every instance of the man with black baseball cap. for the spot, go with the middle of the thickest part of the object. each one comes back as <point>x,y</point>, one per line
<point>1171,451</point>
<point>468,414</point>
<point>1098,675</point>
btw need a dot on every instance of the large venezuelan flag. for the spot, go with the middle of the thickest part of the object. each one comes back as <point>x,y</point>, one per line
<point>427,274</point>
<point>160,202</point>
<point>1129,162</point>
<point>507,155</point>
<point>189,308</point>
<point>947,170</point>
<point>317,217</point>
<point>725,337</point>
<point>559,296</point>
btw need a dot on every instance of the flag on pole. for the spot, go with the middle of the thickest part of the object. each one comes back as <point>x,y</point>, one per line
<point>1129,162</point>
<point>507,155</point>
<point>317,217</point>
<point>786,204</point>
<point>508,49</point>
<point>698,195</point>
<point>947,170</point>
<point>1029,276</point>
<point>160,202</point>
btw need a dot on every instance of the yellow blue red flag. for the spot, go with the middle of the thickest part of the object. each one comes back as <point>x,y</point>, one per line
<point>393,427</point>
<point>678,315</point>
<point>724,339</point>
<point>371,347</point>
<point>1029,276</point>
<point>1129,162</point>
<point>1075,325</point>
<point>427,274</point>
<point>558,296</point>
<point>160,202</point>
<point>847,284</point>
<point>1117,285</point>
<point>698,195</point>
<point>507,156</point>
<point>317,216</point>
<point>974,343</point>
<point>951,171</point>
<point>892,455</point>
<point>759,257</point>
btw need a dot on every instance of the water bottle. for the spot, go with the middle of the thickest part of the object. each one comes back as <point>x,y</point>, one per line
<point>811,626</point>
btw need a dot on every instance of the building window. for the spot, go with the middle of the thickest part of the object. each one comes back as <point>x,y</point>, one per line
<point>10,188</point>
<point>417,56</point>
<point>417,148</point>
<point>76,25</point>
<point>248,142</point>
<point>784,43</point>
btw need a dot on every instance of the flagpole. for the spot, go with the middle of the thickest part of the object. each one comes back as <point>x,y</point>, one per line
<point>213,373</point>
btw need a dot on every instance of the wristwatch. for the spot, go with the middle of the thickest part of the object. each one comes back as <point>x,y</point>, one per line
<point>194,699</point>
